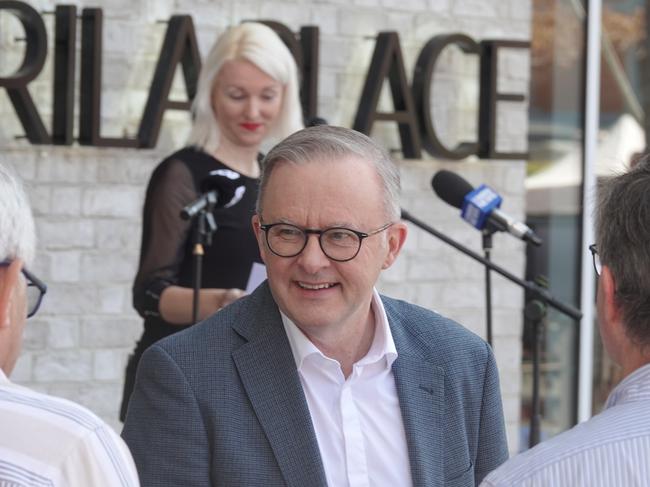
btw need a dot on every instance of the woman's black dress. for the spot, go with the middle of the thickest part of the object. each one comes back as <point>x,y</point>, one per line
<point>167,241</point>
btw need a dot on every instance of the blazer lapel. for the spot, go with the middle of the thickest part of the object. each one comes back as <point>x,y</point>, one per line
<point>421,391</point>
<point>268,372</point>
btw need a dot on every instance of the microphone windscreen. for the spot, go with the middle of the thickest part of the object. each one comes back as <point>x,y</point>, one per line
<point>315,121</point>
<point>450,187</point>
<point>226,183</point>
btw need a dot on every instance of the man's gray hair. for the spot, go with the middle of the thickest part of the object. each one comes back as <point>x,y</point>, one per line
<point>324,143</point>
<point>623,240</point>
<point>17,233</point>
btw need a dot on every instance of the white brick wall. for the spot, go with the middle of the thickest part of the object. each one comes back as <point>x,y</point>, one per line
<point>87,201</point>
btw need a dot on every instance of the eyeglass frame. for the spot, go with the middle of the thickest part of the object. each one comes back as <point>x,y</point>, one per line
<point>314,231</point>
<point>32,281</point>
<point>598,265</point>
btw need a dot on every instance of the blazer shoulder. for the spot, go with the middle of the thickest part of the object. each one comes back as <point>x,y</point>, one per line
<point>436,334</point>
<point>247,318</point>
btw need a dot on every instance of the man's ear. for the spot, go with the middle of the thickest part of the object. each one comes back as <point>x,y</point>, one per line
<point>9,276</point>
<point>255,221</point>
<point>611,309</point>
<point>396,237</point>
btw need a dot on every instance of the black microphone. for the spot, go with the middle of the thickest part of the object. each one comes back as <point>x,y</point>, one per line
<point>315,121</point>
<point>221,189</point>
<point>479,206</point>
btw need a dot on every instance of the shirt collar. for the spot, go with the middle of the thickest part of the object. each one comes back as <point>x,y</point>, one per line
<point>383,345</point>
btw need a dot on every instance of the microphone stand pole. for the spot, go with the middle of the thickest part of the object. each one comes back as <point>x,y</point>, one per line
<point>535,310</point>
<point>529,286</point>
<point>487,249</point>
<point>197,265</point>
<point>204,227</point>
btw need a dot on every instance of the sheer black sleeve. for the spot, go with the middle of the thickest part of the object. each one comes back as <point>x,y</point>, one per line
<point>164,234</point>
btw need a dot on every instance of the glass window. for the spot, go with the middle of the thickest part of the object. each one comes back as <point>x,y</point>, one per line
<point>553,187</point>
<point>554,181</point>
<point>622,120</point>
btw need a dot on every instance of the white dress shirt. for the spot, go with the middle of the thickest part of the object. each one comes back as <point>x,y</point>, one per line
<point>611,449</point>
<point>358,422</point>
<point>48,441</point>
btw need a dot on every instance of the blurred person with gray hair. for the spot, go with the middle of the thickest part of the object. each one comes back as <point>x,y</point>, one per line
<point>44,440</point>
<point>613,447</point>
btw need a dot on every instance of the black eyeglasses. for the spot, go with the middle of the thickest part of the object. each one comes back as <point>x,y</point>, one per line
<point>36,289</point>
<point>598,266</point>
<point>337,243</point>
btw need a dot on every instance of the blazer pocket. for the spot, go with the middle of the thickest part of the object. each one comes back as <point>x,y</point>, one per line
<point>463,479</point>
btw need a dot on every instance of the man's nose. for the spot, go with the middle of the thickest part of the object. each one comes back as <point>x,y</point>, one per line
<point>312,258</point>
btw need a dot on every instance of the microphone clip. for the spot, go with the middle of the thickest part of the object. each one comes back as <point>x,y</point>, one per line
<point>206,202</point>
<point>201,210</point>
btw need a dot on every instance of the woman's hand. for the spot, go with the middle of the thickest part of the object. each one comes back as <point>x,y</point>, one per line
<point>175,303</point>
<point>228,296</point>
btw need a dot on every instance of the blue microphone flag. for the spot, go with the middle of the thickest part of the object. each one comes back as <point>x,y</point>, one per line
<point>478,204</point>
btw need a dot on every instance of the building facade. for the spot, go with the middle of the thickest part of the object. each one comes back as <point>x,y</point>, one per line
<point>88,197</point>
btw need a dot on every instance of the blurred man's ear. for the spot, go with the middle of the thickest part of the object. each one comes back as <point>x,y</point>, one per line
<point>610,306</point>
<point>9,276</point>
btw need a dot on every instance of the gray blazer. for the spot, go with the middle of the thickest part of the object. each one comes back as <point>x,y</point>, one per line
<point>221,404</point>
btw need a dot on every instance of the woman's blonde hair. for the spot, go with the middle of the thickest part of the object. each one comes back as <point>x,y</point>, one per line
<point>260,45</point>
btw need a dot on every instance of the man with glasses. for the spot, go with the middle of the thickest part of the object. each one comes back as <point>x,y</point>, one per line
<point>43,440</point>
<point>315,379</point>
<point>613,447</point>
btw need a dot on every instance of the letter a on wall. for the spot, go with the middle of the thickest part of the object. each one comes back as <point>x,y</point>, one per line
<point>387,61</point>
<point>179,46</point>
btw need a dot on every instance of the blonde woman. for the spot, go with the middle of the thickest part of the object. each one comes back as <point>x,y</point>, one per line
<point>247,94</point>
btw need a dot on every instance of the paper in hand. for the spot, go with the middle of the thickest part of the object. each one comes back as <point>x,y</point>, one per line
<point>256,277</point>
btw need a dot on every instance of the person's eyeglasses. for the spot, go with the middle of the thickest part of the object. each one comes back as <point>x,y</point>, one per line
<point>598,266</point>
<point>337,243</point>
<point>36,289</point>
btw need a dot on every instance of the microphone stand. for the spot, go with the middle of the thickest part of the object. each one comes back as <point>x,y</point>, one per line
<point>204,227</point>
<point>487,249</point>
<point>535,310</point>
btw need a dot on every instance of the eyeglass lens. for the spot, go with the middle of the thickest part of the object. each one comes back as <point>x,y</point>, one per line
<point>336,243</point>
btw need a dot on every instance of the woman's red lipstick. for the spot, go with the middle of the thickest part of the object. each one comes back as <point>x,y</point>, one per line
<point>250,126</point>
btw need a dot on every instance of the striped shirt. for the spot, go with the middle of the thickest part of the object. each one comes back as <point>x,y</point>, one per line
<point>48,441</point>
<point>611,449</point>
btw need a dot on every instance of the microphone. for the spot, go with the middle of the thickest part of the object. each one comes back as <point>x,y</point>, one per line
<point>479,206</point>
<point>221,189</point>
<point>315,121</point>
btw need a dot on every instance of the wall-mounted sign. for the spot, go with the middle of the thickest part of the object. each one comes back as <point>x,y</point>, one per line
<point>412,104</point>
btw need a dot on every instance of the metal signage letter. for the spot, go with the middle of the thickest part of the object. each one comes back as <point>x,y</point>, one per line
<point>65,35</point>
<point>487,126</point>
<point>91,82</point>
<point>16,84</point>
<point>179,46</point>
<point>387,61</point>
<point>422,79</point>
